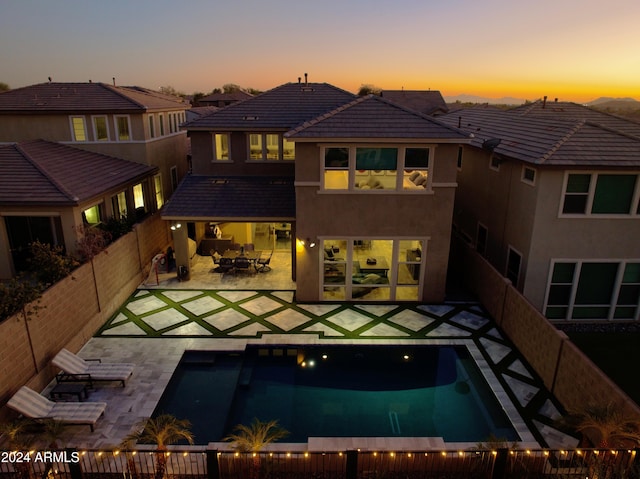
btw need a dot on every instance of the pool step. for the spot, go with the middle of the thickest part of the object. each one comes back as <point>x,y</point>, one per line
<point>205,358</point>
<point>246,372</point>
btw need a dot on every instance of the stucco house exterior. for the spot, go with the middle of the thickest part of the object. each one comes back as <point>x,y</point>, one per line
<point>549,193</point>
<point>131,123</point>
<point>48,190</point>
<point>363,187</point>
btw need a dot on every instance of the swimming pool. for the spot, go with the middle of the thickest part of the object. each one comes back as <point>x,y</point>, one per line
<point>338,391</point>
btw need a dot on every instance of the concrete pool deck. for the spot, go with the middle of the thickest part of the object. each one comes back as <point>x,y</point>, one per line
<point>155,326</point>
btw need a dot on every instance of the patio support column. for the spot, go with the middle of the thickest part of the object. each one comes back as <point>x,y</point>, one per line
<point>181,245</point>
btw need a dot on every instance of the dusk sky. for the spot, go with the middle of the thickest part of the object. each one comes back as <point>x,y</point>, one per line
<point>574,50</point>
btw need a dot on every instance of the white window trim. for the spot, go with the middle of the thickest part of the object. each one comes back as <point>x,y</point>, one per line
<point>95,130</point>
<point>73,130</point>
<point>524,179</point>
<point>574,286</point>
<point>351,189</point>
<point>591,194</point>
<point>117,130</point>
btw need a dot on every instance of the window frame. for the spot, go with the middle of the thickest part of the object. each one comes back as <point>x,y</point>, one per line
<point>524,179</point>
<point>510,250</point>
<point>264,147</point>
<point>173,171</point>
<point>214,140</point>
<point>152,125</point>
<point>158,191</point>
<point>494,162</point>
<point>117,128</point>
<point>74,136</point>
<point>398,172</point>
<point>634,207</point>
<point>571,304</point>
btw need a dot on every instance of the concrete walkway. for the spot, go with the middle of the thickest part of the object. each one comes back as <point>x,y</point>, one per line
<point>155,326</point>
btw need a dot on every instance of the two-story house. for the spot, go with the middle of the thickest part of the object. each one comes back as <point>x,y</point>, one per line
<point>48,191</point>
<point>363,187</point>
<point>549,193</point>
<point>131,123</point>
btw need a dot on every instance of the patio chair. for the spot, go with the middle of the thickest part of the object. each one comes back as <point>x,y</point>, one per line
<point>35,406</point>
<point>78,369</point>
<point>242,263</point>
<point>262,264</point>
<point>226,265</point>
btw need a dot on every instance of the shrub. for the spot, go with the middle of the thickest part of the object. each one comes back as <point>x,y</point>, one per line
<point>16,294</point>
<point>49,264</point>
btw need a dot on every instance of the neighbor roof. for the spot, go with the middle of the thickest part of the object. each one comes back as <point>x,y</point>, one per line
<point>40,172</point>
<point>574,111</point>
<point>85,97</point>
<point>375,117</point>
<point>545,140</point>
<point>232,96</point>
<point>424,101</point>
<point>281,108</point>
<point>202,197</point>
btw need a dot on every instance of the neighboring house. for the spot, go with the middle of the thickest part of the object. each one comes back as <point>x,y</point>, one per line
<point>131,123</point>
<point>429,102</point>
<point>365,186</point>
<point>549,193</point>
<point>199,111</point>
<point>47,190</point>
<point>221,100</point>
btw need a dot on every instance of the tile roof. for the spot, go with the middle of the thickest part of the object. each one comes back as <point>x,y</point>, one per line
<point>546,140</point>
<point>574,111</point>
<point>232,198</point>
<point>376,117</point>
<point>85,97</point>
<point>40,172</point>
<point>233,96</point>
<point>282,108</point>
<point>424,101</point>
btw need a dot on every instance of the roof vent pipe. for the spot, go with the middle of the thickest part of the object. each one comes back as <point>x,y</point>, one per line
<point>305,80</point>
<point>459,122</point>
<point>299,80</point>
<point>544,102</point>
<point>114,81</point>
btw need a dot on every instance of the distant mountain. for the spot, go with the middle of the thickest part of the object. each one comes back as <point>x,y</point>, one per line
<point>479,99</point>
<point>606,99</point>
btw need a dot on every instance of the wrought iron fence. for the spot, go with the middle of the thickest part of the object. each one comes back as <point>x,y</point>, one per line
<point>204,463</point>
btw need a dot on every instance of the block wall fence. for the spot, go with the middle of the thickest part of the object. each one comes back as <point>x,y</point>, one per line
<point>565,371</point>
<point>73,309</point>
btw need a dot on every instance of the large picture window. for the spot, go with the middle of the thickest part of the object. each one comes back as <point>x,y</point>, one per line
<point>376,168</point>
<point>601,194</point>
<point>372,269</point>
<point>593,290</point>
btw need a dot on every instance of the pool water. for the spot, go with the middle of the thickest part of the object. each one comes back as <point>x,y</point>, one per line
<point>338,391</point>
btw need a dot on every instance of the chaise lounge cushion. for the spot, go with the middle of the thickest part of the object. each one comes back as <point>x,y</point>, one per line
<point>33,405</point>
<point>73,364</point>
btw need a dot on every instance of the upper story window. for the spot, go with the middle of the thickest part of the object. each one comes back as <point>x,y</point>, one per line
<point>161,123</point>
<point>270,147</point>
<point>123,128</point>
<point>221,147</point>
<point>528,175</point>
<point>601,194</point>
<point>100,128</point>
<point>152,127</point>
<point>376,168</point>
<point>157,183</point>
<point>92,216</point>
<point>79,128</point>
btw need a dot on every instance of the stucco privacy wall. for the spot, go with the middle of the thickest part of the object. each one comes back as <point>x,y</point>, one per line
<point>568,374</point>
<point>73,309</point>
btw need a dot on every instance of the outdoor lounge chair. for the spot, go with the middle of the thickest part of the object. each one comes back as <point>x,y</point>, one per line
<point>33,405</point>
<point>91,370</point>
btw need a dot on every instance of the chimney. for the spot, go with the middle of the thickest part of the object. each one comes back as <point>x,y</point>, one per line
<point>305,80</point>
<point>544,102</point>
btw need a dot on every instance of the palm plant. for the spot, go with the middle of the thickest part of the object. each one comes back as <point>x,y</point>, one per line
<point>254,437</point>
<point>607,425</point>
<point>163,431</point>
<point>19,436</point>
